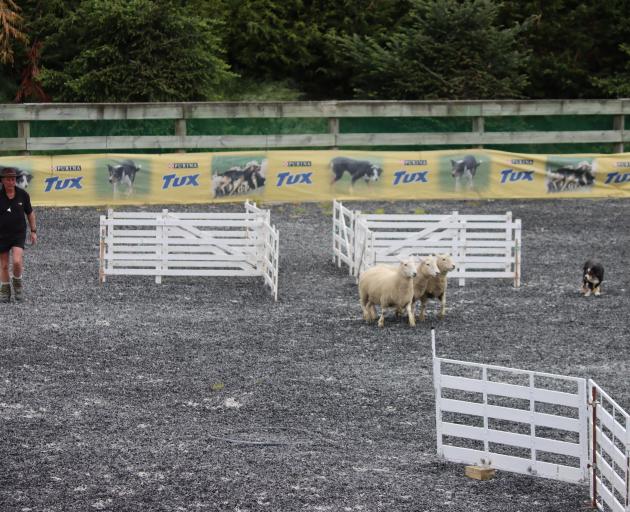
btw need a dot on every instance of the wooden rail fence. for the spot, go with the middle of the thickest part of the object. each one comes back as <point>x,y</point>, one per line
<point>333,111</point>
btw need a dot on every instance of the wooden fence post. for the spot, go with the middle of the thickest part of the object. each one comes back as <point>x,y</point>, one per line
<point>333,129</point>
<point>180,131</point>
<point>24,132</point>
<point>478,126</point>
<point>618,124</point>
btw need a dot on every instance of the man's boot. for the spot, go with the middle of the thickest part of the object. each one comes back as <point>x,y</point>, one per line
<point>17,288</point>
<point>5,292</point>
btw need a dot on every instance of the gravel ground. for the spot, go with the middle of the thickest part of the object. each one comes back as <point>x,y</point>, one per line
<point>204,394</point>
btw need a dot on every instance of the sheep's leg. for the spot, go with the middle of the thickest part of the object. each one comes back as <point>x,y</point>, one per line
<point>366,314</point>
<point>365,304</point>
<point>413,308</point>
<point>423,308</point>
<point>381,320</point>
<point>443,307</point>
<point>412,316</point>
<point>373,314</point>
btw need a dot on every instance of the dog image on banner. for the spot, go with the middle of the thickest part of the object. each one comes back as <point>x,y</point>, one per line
<point>240,175</point>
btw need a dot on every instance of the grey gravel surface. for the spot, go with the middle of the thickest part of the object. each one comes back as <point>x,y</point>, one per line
<point>204,394</point>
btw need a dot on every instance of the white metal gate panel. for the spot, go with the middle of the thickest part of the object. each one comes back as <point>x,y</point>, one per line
<point>391,236</point>
<point>343,236</point>
<point>364,251</point>
<point>516,420</point>
<point>491,248</point>
<point>268,260</point>
<point>609,425</point>
<point>482,246</point>
<point>190,244</point>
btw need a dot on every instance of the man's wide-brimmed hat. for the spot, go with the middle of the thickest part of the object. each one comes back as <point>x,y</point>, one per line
<point>8,172</point>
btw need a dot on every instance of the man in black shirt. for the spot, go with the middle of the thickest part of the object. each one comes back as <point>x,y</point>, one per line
<point>15,209</point>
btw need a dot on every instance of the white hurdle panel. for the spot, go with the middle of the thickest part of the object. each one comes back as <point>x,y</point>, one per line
<point>383,238</point>
<point>609,425</point>
<point>190,244</point>
<point>482,246</point>
<point>343,235</point>
<point>478,422</point>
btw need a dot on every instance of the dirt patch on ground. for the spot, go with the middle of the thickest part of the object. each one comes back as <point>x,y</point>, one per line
<point>204,394</point>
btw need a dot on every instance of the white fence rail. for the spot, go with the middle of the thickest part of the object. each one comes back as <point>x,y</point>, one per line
<point>515,420</point>
<point>343,236</point>
<point>547,425</point>
<point>482,246</point>
<point>190,244</point>
<point>609,425</point>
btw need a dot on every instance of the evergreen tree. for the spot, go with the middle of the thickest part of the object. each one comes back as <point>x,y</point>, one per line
<point>617,85</point>
<point>131,50</point>
<point>575,45</point>
<point>443,49</point>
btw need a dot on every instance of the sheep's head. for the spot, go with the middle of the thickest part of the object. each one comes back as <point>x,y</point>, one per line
<point>445,263</point>
<point>407,267</point>
<point>428,267</point>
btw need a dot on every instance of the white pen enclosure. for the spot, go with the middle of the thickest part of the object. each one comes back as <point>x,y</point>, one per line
<point>540,424</point>
<point>516,420</point>
<point>190,244</point>
<point>343,236</point>
<point>610,455</point>
<point>482,246</point>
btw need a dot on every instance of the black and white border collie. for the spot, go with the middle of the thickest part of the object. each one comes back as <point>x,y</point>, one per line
<point>357,169</point>
<point>23,179</point>
<point>592,278</point>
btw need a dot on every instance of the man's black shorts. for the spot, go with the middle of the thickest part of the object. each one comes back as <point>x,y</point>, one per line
<point>14,241</point>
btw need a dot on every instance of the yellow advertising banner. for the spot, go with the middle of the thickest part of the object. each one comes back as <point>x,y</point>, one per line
<point>302,176</point>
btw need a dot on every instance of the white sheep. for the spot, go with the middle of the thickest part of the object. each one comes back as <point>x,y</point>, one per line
<point>387,286</point>
<point>435,287</point>
<point>426,271</point>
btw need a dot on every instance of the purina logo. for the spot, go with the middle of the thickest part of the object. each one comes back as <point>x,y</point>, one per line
<point>66,168</point>
<point>414,162</point>
<point>183,165</point>
<point>298,163</point>
<point>624,164</point>
<point>520,161</point>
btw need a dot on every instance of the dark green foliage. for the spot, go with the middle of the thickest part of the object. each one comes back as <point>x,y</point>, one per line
<point>133,50</point>
<point>618,83</point>
<point>444,49</point>
<point>576,45</point>
<point>188,50</point>
<point>293,40</point>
